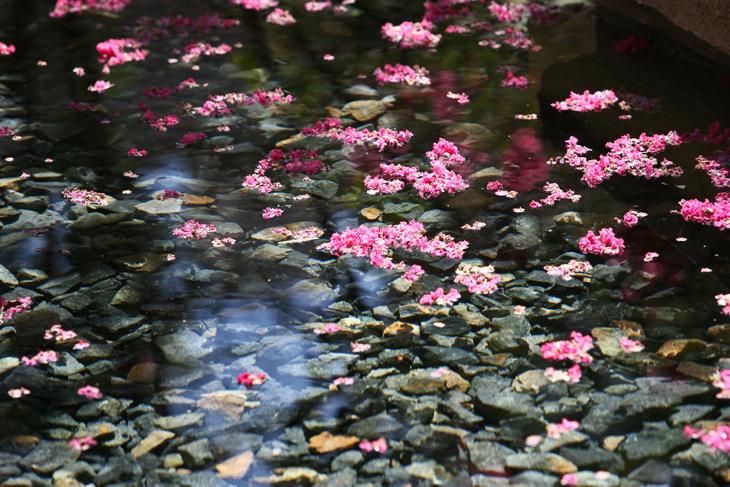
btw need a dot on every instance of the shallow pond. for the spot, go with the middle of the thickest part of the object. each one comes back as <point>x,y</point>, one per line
<point>282,344</point>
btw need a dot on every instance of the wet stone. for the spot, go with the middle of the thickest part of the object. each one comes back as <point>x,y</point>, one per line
<point>50,456</point>
<point>182,347</point>
<point>197,453</point>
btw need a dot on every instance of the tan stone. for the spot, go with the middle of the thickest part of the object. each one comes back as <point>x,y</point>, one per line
<point>611,443</point>
<point>293,474</point>
<point>530,381</point>
<point>679,347</point>
<point>400,327</point>
<point>235,467</point>
<point>144,372</point>
<point>232,403</point>
<point>192,199</point>
<point>151,441</point>
<point>632,329</point>
<point>720,333</point>
<point>698,371</point>
<point>326,442</point>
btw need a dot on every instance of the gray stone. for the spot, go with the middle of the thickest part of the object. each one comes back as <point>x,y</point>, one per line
<point>6,277</point>
<point>183,347</point>
<point>197,453</point>
<point>50,456</point>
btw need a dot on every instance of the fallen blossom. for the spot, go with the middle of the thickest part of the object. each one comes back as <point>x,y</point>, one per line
<point>65,7</point>
<point>519,309</point>
<point>724,301</point>
<point>568,270</point>
<point>19,392</point>
<point>82,443</point>
<point>576,349</point>
<point>650,256</point>
<point>555,194</point>
<point>587,101</point>
<point>718,174</point>
<point>717,438</point>
<point>343,381</point>
<point>6,49</point>
<point>282,17</point>
<point>605,243</point>
<point>79,71</point>
<point>328,57</point>
<point>409,35</point>
<point>438,297</point>
<point>190,138</point>
<point>270,213</point>
<point>413,273</point>
<point>256,4</point>
<point>572,375</point>
<point>402,74</point>
<point>58,334</point>
<point>81,345</point>
<point>526,116</point>
<point>556,430</point>
<point>477,279</point>
<point>100,86</point>
<point>712,213</point>
<point>90,392</point>
<point>170,257</point>
<point>631,218</point>
<point>168,194</point>
<point>250,380</point>
<point>630,346</point>
<point>43,357</point>
<point>359,347</point>
<point>10,307</point>
<point>512,81</point>
<point>192,229</point>
<point>382,138</point>
<point>498,189</point>
<point>195,50</point>
<point>223,242</point>
<point>461,98</point>
<point>569,479</point>
<point>475,226</point>
<point>134,152</point>
<point>378,446</point>
<point>723,383</point>
<point>328,329</point>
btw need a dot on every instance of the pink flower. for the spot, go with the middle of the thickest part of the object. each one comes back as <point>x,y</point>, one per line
<point>83,443</point>
<point>115,52</point>
<point>476,226</point>
<point>6,49</point>
<point>605,243</point>
<point>631,218</point>
<point>343,381</point>
<point>194,50</point>
<point>571,375</point>
<point>57,333</point>
<point>498,189</point>
<point>723,382</point>
<point>379,446</point>
<point>717,438</point>
<point>328,57</point>
<point>65,7</point>
<point>718,174</point>
<point>461,98</point>
<point>724,301</point>
<point>555,194</point>
<point>402,74</point>
<point>42,357</point>
<point>223,242</point>
<point>587,101</point>
<point>650,256</point>
<point>170,257</point>
<point>328,329</point>
<point>100,86</point>
<point>713,213</point>
<point>512,81</point>
<point>359,347</point>
<point>569,479</point>
<point>477,279</point>
<point>192,229</point>
<point>250,380</point>
<point>282,17</point>
<point>332,128</point>
<point>270,213</point>
<point>256,4</point>
<point>567,271</point>
<point>576,349</point>
<point>90,392</point>
<point>85,197</point>
<point>81,345</point>
<point>409,35</point>
<point>79,71</point>
<point>557,430</point>
<point>134,152</point>
<point>413,273</point>
<point>18,392</point>
<point>630,346</point>
<point>190,138</point>
<point>10,307</point>
<point>440,298</point>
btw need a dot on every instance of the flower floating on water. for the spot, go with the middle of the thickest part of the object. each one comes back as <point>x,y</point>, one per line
<point>168,194</point>
<point>359,347</point>
<point>440,298</point>
<point>82,443</point>
<point>475,226</point>
<point>327,329</point>
<point>90,392</point>
<point>555,194</point>
<point>282,17</point>
<point>223,242</point>
<point>250,380</point>
<point>57,333</point>
<point>723,382</point>
<point>6,49</point>
<point>650,256</point>
<point>724,301</point>
<point>81,345</point>
<point>576,349</point>
<point>712,213</point>
<point>190,138</point>
<point>85,197</point>
<point>65,7</point>
<point>100,86</point>
<point>402,74</point>
<point>513,81</point>
<point>19,392</point>
<point>256,4</point>
<point>43,357</point>
<point>587,101</point>
<point>270,213</point>
<point>630,346</point>
<point>134,152</point>
<point>10,307</point>
<point>631,218</point>
<point>332,128</point>
<point>409,35</point>
<point>605,243</point>
<point>498,189</point>
<point>718,174</point>
<point>378,446</point>
<point>194,230</point>
<point>170,257</point>
<point>461,98</point>
<point>328,57</point>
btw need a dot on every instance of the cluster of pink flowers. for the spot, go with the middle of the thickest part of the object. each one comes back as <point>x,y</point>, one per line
<point>567,271</point>
<point>82,443</point>
<point>440,298</point>
<point>723,383</point>
<point>510,80</point>
<point>378,446</point>
<point>100,86</point>
<point>270,213</point>
<point>508,12</point>
<point>477,279</point>
<point>376,243</point>
<point>576,349</point>
<point>715,213</point>
<point>292,161</point>
<point>476,226</point>
<point>429,184</point>
<point>282,17</point>
<point>6,132</point>
<point>303,235</point>
<point>134,152</point>
<point>10,307</point>
<point>511,36</point>
<point>149,29</point>
<point>190,138</point>
<point>90,392</point>
<point>65,7</point>
<point>58,334</point>
<point>256,4</point>
<point>413,273</point>
<point>718,174</point>
<point>556,430</point>
<point>218,105</point>
<point>605,243</point>
<point>6,49</point>
<point>630,346</point>
<point>328,329</point>
<point>318,6</point>
<point>85,197</point>
<point>626,155</point>
<point>114,52</point>
<point>498,189</point>
<point>555,194</point>
<point>43,357</point>
<point>631,218</point>
<point>223,242</point>
<point>332,128</point>
<point>194,50</point>
<point>250,379</point>
<point>402,74</point>
<point>587,101</point>
<point>724,301</point>
<point>194,230</point>
<point>717,438</point>
<point>572,375</point>
<point>461,98</point>
<point>409,35</point>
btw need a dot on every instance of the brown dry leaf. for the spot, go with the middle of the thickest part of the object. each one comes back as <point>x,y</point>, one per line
<point>326,442</point>
<point>235,467</point>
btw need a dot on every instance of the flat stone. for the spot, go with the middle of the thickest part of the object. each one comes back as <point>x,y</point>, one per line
<point>182,347</point>
<point>326,442</point>
<point>545,462</point>
<point>48,457</point>
<point>197,453</point>
<point>235,467</point>
<point>179,421</point>
<point>160,207</point>
<point>681,348</point>
<point>151,441</point>
<point>427,381</point>
<point>6,277</point>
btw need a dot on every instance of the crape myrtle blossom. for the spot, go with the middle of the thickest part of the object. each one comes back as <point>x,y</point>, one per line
<point>134,152</point>
<point>256,4</point>
<point>567,271</point>
<point>43,357</point>
<point>10,307</point>
<point>90,392</point>
<point>626,155</point>
<point>223,242</point>
<point>605,243</point>
<point>82,443</point>
<point>477,279</point>
<point>556,430</point>
<point>630,346</point>
<point>571,375</point>
<point>576,349</point>
<point>378,446</point>
<point>555,194</point>
<point>58,334</point>
<point>440,298</point>
<point>270,213</point>
<point>724,301</point>
<point>429,184</point>
<point>85,197</point>
<point>508,12</point>
<point>19,392</point>
<point>6,49</point>
<point>587,101</point>
<point>377,242</point>
<point>498,189</point>
<point>190,138</point>
<point>65,7</point>
<point>475,226</point>
<point>402,74</point>
<point>100,86</point>
<point>461,98</point>
<point>513,81</point>
<point>413,273</point>
<point>115,52</point>
<point>281,17</point>
<point>650,256</point>
<point>631,218</point>
<point>292,161</point>
<point>712,213</point>
<point>718,174</point>
<point>717,438</point>
<point>6,132</point>
<point>218,105</point>
<point>195,50</point>
<point>332,128</point>
<point>303,235</point>
<point>723,383</point>
<point>249,379</point>
<point>318,6</point>
<point>410,35</point>
<point>194,230</point>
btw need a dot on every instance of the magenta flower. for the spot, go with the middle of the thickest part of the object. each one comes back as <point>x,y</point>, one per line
<point>282,17</point>
<point>114,52</point>
<point>513,81</point>
<point>194,230</point>
<point>82,443</point>
<point>723,382</point>
<point>576,349</point>
<point>332,128</point>
<point>250,379</point>
<point>409,35</point>
<point>10,307</point>
<point>65,7</point>
<point>413,273</point>
<point>461,98</point>
<point>630,346</point>
<point>256,4</point>
<point>6,49</point>
<point>19,392</point>
<point>572,375</point>
<point>605,243</point>
<point>650,256</point>
<point>555,194</point>
<point>402,74</point>
<point>477,279</point>
<point>43,357</point>
<point>90,392</point>
<point>556,430</point>
<point>567,271</point>
<point>378,446</point>
<point>587,101</point>
<point>100,86</point>
<point>223,242</point>
<point>717,438</point>
<point>270,213</point>
<point>724,301</point>
<point>718,174</point>
<point>195,50</point>
<point>440,298</point>
<point>190,138</point>
<point>85,197</point>
<point>134,152</point>
<point>712,213</point>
